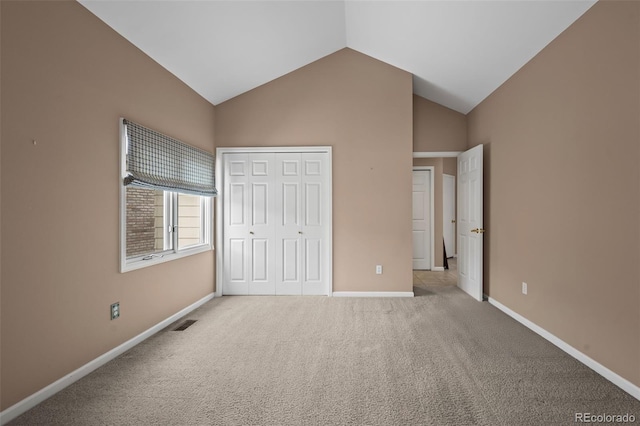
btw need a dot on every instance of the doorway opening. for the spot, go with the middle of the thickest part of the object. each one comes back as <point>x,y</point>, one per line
<point>444,267</point>
<point>469,214</point>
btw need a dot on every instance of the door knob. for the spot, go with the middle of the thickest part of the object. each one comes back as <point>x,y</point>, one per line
<point>453,221</point>
<point>251,232</point>
<point>299,232</point>
<point>478,230</point>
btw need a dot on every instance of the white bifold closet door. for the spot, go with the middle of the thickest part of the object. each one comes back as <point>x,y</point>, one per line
<point>249,205</point>
<point>275,220</point>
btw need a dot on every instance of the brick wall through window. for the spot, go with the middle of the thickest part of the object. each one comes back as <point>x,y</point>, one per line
<point>144,221</point>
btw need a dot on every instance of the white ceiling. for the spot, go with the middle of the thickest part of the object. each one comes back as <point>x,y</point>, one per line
<point>458,51</point>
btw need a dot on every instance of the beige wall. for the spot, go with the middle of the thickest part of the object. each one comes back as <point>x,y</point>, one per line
<point>363,109</point>
<point>562,186</point>
<point>437,128</point>
<point>66,79</point>
<point>450,166</point>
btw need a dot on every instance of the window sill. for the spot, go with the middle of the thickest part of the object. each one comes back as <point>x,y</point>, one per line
<point>127,265</point>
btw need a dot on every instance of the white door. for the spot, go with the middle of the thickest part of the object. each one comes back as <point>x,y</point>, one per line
<point>289,224</point>
<point>250,226</point>
<point>301,197</point>
<point>470,223</point>
<point>236,238</point>
<point>315,168</point>
<point>277,223</point>
<point>449,214</point>
<point>421,219</point>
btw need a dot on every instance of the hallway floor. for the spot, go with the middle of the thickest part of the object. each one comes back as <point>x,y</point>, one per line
<point>435,278</point>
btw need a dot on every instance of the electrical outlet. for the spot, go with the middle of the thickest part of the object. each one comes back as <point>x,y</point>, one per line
<point>115,310</point>
<point>524,288</point>
<point>379,269</point>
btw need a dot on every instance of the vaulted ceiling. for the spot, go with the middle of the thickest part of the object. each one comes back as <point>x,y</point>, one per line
<point>458,51</point>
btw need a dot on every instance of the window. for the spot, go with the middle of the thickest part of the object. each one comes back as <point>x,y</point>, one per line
<point>162,223</point>
<point>147,220</point>
<point>162,218</point>
<point>191,212</point>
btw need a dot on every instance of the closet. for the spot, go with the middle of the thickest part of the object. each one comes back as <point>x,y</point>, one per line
<point>277,223</point>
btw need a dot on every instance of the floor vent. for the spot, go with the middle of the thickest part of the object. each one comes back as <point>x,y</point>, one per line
<point>184,325</point>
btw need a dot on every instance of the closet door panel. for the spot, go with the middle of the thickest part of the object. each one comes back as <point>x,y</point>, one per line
<point>260,261</point>
<point>314,201</point>
<point>313,260</point>
<point>236,261</point>
<point>237,256</point>
<point>262,217</point>
<point>290,261</point>
<point>288,250</point>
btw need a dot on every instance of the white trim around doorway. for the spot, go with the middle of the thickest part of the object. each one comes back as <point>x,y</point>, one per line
<point>443,154</point>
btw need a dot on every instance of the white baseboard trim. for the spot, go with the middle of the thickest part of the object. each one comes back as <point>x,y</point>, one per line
<point>438,269</point>
<point>614,378</point>
<point>373,294</point>
<point>55,387</point>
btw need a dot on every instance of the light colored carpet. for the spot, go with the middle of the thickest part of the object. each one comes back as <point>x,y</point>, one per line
<point>440,358</point>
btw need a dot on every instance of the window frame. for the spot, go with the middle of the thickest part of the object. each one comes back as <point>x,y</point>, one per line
<point>171,224</point>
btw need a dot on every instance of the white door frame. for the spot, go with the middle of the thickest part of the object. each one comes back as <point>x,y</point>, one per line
<point>443,154</point>
<point>431,212</point>
<point>219,227</point>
